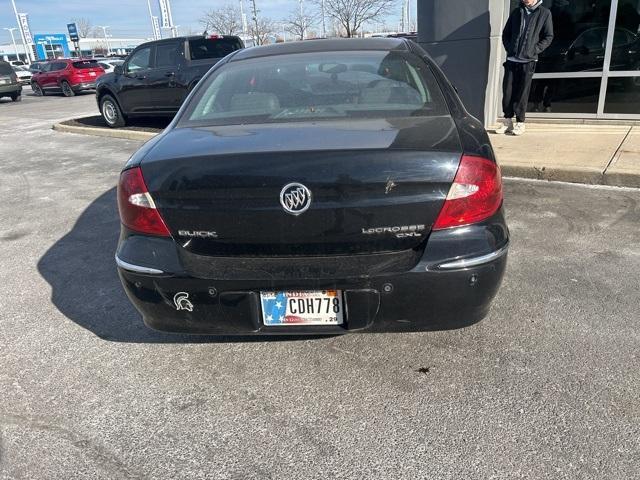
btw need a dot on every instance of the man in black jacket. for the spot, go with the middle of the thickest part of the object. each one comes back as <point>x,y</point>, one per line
<point>528,32</point>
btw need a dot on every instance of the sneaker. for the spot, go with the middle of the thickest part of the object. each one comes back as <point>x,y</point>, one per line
<point>518,129</point>
<point>506,127</point>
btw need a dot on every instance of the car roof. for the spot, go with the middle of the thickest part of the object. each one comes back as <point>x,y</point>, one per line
<point>322,45</point>
<point>186,37</point>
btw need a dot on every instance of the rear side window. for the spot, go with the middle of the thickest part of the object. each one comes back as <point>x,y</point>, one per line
<point>5,69</point>
<point>58,66</point>
<point>86,64</point>
<point>310,86</point>
<point>167,55</point>
<point>201,48</point>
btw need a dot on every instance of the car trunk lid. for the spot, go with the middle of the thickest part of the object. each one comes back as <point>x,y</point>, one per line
<point>375,185</point>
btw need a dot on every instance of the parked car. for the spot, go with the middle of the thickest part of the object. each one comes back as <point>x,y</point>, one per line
<point>157,76</point>
<point>317,187</point>
<point>67,76</point>
<point>109,65</point>
<point>585,51</point>
<point>23,73</point>
<point>9,83</point>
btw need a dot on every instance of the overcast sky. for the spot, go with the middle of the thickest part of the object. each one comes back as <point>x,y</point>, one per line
<point>131,17</point>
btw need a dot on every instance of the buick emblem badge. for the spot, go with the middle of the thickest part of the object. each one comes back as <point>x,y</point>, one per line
<point>295,198</point>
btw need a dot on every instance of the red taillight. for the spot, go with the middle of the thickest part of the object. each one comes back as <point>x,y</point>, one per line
<point>137,210</point>
<point>475,195</point>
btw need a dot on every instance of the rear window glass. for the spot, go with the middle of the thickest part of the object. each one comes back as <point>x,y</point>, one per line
<point>201,48</point>
<point>302,87</point>
<point>5,69</point>
<point>86,64</point>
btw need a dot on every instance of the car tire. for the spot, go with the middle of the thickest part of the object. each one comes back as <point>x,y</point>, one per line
<point>16,98</point>
<point>67,91</point>
<point>37,90</point>
<point>111,112</point>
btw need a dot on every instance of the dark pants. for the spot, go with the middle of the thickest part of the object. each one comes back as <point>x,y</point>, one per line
<point>515,89</point>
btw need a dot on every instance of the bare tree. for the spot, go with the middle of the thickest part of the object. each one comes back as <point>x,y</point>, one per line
<point>298,23</point>
<point>352,14</point>
<point>261,29</point>
<point>84,26</point>
<point>225,20</point>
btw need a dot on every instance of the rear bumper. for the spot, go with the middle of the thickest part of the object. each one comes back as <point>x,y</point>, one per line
<point>11,89</point>
<point>451,286</point>
<point>79,87</point>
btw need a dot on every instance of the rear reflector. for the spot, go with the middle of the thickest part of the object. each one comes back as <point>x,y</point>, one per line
<point>475,195</point>
<point>137,210</point>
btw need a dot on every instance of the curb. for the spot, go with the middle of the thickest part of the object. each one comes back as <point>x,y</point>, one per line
<point>583,175</point>
<point>104,132</point>
<point>590,176</point>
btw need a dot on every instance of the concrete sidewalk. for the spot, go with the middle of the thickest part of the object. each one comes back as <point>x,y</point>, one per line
<point>594,154</point>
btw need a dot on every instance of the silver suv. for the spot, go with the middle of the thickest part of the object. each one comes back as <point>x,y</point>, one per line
<point>9,84</point>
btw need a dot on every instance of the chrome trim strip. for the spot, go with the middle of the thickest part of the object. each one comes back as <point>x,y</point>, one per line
<point>137,268</point>
<point>474,261</point>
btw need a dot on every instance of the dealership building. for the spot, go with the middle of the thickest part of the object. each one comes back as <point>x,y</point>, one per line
<point>58,45</point>
<point>591,71</point>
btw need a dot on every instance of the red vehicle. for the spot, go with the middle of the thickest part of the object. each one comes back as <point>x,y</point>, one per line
<point>68,76</point>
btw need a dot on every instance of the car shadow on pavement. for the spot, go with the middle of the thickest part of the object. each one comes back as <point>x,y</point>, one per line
<point>85,287</point>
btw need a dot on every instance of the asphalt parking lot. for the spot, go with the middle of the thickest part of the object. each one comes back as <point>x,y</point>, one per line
<point>547,386</point>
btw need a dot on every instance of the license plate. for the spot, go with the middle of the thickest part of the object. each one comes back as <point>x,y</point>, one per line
<point>92,74</point>
<point>3,81</point>
<point>322,307</point>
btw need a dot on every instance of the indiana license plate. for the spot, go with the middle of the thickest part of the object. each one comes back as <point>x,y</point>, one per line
<point>322,307</point>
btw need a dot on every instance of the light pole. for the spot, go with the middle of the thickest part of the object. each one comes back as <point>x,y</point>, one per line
<point>15,47</point>
<point>27,52</point>
<point>324,27</point>
<point>256,33</point>
<point>106,39</point>
<point>303,20</point>
<point>243,18</point>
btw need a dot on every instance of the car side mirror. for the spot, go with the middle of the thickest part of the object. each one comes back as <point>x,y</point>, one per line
<point>118,70</point>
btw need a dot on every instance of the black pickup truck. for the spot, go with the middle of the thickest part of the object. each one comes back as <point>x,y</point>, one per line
<point>157,76</point>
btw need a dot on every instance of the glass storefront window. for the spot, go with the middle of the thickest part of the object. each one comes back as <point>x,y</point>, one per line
<point>580,29</point>
<point>579,51</point>
<point>54,50</point>
<point>623,95</point>
<point>565,95</point>
<point>625,54</point>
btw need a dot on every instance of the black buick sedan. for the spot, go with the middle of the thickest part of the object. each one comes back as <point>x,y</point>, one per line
<point>319,187</point>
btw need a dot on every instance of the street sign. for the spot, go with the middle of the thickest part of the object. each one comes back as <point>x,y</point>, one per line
<point>24,26</point>
<point>165,13</point>
<point>73,32</point>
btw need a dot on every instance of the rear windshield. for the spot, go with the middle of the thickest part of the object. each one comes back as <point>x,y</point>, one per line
<point>86,64</point>
<point>302,87</point>
<point>5,69</point>
<point>201,48</point>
